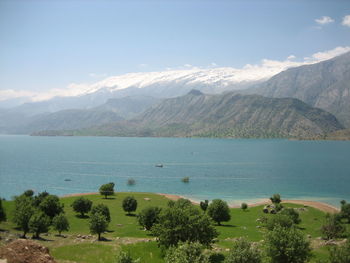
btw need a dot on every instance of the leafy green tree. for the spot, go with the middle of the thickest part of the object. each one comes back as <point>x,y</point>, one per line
<point>124,257</point>
<point>204,205</point>
<point>276,199</point>
<point>60,223</point>
<point>2,212</point>
<point>98,224</point>
<point>332,228</point>
<point>180,203</point>
<point>107,189</point>
<point>29,193</point>
<point>82,205</point>
<point>244,206</point>
<point>39,223</point>
<point>186,253</point>
<point>219,211</point>
<point>102,209</point>
<point>149,216</point>
<point>287,245</point>
<point>279,220</point>
<point>340,254</point>
<point>345,210</point>
<point>40,197</point>
<point>129,204</point>
<point>51,206</point>
<point>183,224</point>
<point>292,214</point>
<point>23,211</point>
<point>243,252</point>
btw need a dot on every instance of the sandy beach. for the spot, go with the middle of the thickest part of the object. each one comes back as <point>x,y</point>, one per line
<point>318,205</point>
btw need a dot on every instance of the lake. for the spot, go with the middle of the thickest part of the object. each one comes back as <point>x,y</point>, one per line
<point>232,169</point>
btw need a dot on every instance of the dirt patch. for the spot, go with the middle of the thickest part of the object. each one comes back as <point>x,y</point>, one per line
<point>25,251</point>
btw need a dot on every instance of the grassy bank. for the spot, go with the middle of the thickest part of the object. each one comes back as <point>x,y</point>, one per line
<point>125,233</point>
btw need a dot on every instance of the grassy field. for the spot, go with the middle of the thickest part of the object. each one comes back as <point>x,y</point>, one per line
<point>125,233</point>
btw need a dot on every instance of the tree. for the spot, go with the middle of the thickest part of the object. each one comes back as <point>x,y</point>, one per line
<point>102,209</point>
<point>98,224</point>
<point>332,227</point>
<point>2,212</point>
<point>82,205</point>
<point>279,220</point>
<point>219,211</point>
<point>23,211</point>
<point>124,257</point>
<point>276,199</point>
<point>183,224</point>
<point>149,216</point>
<point>28,193</point>
<point>204,205</point>
<point>51,206</point>
<point>39,223</point>
<point>40,197</point>
<point>243,252</point>
<point>292,214</point>
<point>60,223</point>
<point>186,253</point>
<point>129,204</point>
<point>287,245</point>
<point>244,206</point>
<point>107,189</point>
<point>345,210</point>
<point>340,254</point>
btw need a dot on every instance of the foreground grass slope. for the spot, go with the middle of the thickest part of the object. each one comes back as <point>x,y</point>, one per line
<point>125,233</point>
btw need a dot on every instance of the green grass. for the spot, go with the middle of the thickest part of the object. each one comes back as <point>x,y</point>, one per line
<point>242,223</point>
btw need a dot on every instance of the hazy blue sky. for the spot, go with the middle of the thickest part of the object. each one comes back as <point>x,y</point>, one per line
<point>49,44</point>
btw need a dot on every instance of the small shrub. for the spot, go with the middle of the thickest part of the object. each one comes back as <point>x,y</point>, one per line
<point>243,252</point>
<point>279,220</point>
<point>244,206</point>
<point>292,214</point>
<point>204,205</point>
<point>186,253</point>
<point>333,227</point>
<point>149,216</point>
<point>124,257</point>
<point>276,199</point>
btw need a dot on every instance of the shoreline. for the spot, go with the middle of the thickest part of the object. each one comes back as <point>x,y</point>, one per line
<point>327,208</point>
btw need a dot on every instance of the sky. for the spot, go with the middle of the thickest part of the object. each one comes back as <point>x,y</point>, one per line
<point>46,45</point>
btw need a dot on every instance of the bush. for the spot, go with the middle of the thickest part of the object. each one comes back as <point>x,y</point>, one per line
<point>287,245</point>
<point>131,181</point>
<point>178,224</point>
<point>129,204</point>
<point>186,253</point>
<point>124,257</point>
<point>51,206</point>
<point>340,254</point>
<point>243,252</point>
<point>28,193</point>
<point>102,209</point>
<point>204,205</point>
<point>2,212</point>
<point>60,223</point>
<point>279,220</point>
<point>39,223</point>
<point>219,211</point>
<point>82,205</point>
<point>292,214</point>
<point>107,189</point>
<point>332,228</point>
<point>40,197</point>
<point>185,179</point>
<point>98,224</point>
<point>276,199</point>
<point>244,206</point>
<point>345,210</point>
<point>23,211</point>
<point>149,216</point>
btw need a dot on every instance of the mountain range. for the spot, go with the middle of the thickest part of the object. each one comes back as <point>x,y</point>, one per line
<point>289,106</point>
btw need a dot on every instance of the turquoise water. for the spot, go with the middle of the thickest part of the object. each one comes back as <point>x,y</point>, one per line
<point>234,170</point>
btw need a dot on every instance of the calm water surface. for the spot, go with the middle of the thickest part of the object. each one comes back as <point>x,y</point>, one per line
<point>234,170</point>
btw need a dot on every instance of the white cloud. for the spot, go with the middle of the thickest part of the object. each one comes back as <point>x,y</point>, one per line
<point>187,74</point>
<point>98,75</point>
<point>346,21</point>
<point>324,20</point>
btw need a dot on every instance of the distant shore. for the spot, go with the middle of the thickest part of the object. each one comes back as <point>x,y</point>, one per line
<point>315,204</point>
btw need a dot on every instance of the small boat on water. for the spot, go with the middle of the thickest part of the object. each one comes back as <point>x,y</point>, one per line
<point>159,165</point>
<point>67,180</point>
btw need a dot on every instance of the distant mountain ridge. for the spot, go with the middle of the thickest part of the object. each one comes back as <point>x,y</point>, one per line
<point>324,85</point>
<point>226,115</point>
